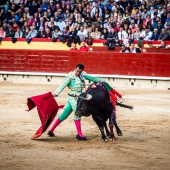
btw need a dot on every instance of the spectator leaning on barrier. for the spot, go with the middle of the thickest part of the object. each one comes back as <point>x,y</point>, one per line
<point>163,35</point>
<point>32,34</point>
<point>10,32</point>
<point>134,49</point>
<point>146,34</point>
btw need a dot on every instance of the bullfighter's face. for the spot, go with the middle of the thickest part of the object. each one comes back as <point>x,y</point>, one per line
<point>78,71</point>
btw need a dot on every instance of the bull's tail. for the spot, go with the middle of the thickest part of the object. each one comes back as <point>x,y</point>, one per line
<point>124,105</point>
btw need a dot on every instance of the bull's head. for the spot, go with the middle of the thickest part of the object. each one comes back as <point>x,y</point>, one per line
<point>83,105</point>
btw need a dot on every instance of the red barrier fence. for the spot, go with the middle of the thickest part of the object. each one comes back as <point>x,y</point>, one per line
<point>144,64</point>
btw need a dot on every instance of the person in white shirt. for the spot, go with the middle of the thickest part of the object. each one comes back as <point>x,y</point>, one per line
<point>146,34</point>
<point>61,24</point>
<point>122,34</point>
<point>82,34</point>
<point>93,11</point>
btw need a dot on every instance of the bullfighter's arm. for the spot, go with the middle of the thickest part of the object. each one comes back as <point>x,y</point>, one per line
<point>66,81</point>
<point>92,78</point>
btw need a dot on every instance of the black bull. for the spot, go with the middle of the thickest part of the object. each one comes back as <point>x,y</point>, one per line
<point>99,105</point>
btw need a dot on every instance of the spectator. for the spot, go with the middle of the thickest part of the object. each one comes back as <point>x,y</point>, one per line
<point>111,37</point>
<point>61,24</point>
<point>122,35</point>
<point>25,32</point>
<point>73,37</point>
<point>96,34</point>
<point>104,34</point>
<point>117,42</point>
<point>134,49</point>
<point>44,6</point>
<point>163,35</point>
<point>155,35</point>
<point>10,32</point>
<point>55,34</point>
<point>18,33</point>
<point>82,34</point>
<point>41,33</point>
<point>146,34</point>
<point>2,33</point>
<point>63,35</point>
<point>148,19</point>
<point>84,47</point>
<point>32,34</point>
<point>139,21</point>
<point>74,48</point>
<point>125,49</point>
<point>162,45</point>
<point>48,33</point>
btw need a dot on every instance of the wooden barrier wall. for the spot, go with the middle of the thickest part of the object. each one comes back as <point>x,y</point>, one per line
<point>145,64</point>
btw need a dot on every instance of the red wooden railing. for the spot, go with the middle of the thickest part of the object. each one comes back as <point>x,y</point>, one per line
<point>103,62</point>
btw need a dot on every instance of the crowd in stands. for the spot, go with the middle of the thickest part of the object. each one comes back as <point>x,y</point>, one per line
<point>76,21</point>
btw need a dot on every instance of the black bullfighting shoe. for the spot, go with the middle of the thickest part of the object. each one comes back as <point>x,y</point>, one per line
<point>80,138</point>
<point>51,134</point>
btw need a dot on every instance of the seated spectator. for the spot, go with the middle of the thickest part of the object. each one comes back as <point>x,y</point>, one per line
<point>150,44</point>
<point>55,34</point>
<point>117,42</point>
<point>73,37</point>
<point>95,35</point>
<point>148,19</point>
<point>18,33</point>
<point>163,35</point>
<point>63,35</point>
<point>111,37</point>
<point>2,33</point>
<point>134,49</point>
<point>41,33</point>
<point>146,34</point>
<point>125,49</point>
<point>104,34</point>
<point>10,32</point>
<point>130,36</point>
<point>82,34</point>
<point>61,24</point>
<point>122,34</point>
<point>48,33</point>
<point>84,47</point>
<point>137,34</point>
<point>162,45</point>
<point>32,34</point>
<point>74,48</point>
<point>25,32</point>
<point>155,35</point>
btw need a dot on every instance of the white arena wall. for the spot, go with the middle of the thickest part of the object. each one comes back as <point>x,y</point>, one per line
<point>113,80</point>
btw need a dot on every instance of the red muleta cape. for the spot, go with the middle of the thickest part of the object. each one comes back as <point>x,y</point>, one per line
<point>47,108</point>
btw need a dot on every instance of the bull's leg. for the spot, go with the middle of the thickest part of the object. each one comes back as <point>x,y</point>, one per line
<point>107,130</point>
<point>112,121</point>
<point>119,132</point>
<point>101,128</point>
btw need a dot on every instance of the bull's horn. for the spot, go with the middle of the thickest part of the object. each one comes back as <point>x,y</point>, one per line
<point>88,97</point>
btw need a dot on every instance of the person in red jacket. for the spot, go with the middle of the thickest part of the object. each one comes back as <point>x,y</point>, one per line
<point>84,47</point>
<point>74,48</point>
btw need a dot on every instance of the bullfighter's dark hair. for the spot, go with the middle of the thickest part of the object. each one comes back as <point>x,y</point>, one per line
<point>80,66</point>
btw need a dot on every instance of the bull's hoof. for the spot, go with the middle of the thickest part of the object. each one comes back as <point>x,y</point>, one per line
<point>113,139</point>
<point>119,134</point>
<point>51,134</point>
<point>80,138</point>
<point>104,140</point>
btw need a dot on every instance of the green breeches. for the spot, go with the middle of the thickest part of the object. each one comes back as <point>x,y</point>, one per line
<point>70,107</point>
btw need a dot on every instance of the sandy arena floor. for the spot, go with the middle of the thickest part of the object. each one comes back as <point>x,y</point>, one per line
<point>145,144</point>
